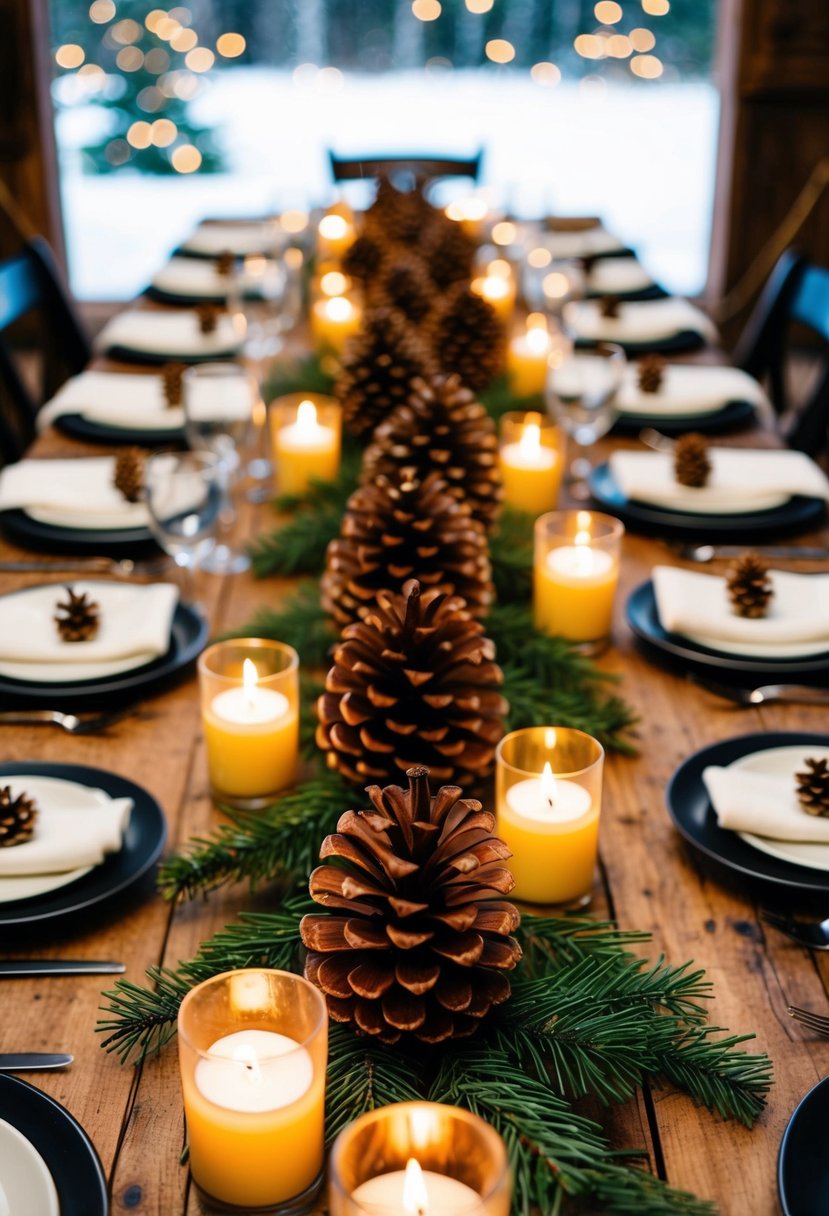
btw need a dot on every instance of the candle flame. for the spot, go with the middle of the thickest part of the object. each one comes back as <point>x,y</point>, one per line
<point>555,285</point>
<point>494,288</point>
<point>539,257</point>
<point>530,441</point>
<point>339,308</point>
<point>250,678</point>
<point>538,341</point>
<point>583,521</point>
<point>537,320</point>
<point>415,1197</point>
<point>581,538</point>
<point>499,268</point>
<point>306,418</point>
<point>246,1055</point>
<point>333,283</point>
<point>255,265</point>
<point>333,227</point>
<point>548,785</point>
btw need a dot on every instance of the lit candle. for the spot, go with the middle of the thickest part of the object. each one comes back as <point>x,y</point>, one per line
<point>306,448</point>
<point>416,1192</point>
<point>530,464</point>
<point>527,357</point>
<point>470,213</point>
<point>335,234</point>
<point>333,321</point>
<point>499,291</point>
<point>575,582</point>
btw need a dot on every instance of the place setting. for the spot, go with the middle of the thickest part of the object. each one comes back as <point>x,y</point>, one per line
<point>664,325</point>
<point>185,279</point>
<point>211,239</point>
<point>158,335</point>
<point>119,407</point>
<point>680,397</point>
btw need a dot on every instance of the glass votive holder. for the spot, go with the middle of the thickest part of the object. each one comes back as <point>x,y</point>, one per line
<point>250,712</point>
<point>531,452</point>
<point>575,574</point>
<point>548,790</point>
<point>253,1049</point>
<point>334,319</point>
<point>414,1157</point>
<point>306,430</point>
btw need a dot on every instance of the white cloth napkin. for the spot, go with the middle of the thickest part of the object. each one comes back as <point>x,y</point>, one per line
<point>80,490</point>
<point>241,238</point>
<point>612,275</point>
<point>192,277</point>
<point>119,399</point>
<point>639,321</point>
<point>741,480</point>
<point>77,826</point>
<point>153,331</point>
<point>763,804</point>
<point>689,388</point>
<point>697,605</point>
<point>134,619</point>
<point>580,244</point>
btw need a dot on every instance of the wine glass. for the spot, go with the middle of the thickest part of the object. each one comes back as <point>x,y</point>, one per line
<point>183,495</point>
<point>581,394</point>
<point>219,402</point>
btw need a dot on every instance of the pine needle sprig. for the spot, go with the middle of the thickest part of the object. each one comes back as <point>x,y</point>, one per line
<point>280,842</point>
<point>552,942</point>
<point>362,1075</point>
<point>298,545</point>
<point>499,399</point>
<point>299,621</point>
<point>733,1083</point>
<point>297,376</point>
<point>511,554</point>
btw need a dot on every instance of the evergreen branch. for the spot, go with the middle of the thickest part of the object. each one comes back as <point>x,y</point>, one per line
<point>364,1074</point>
<point>499,399</point>
<point>733,1083</point>
<point>511,554</point>
<point>282,841</point>
<point>309,693</point>
<point>299,621</point>
<point>552,942</point>
<point>297,546</point>
<point>297,376</point>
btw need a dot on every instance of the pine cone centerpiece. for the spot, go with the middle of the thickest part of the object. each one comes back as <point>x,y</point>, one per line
<point>415,939</point>
<point>128,477</point>
<point>468,338</point>
<point>748,584</point>
<point>401,216</point>
<point>413,682</point>
<point>442,426</point>
<point>692,464</point>
<point>406,286</point>
<point>18,816</point>
<point>402,527</point>
<point>172,383</point>
<point>363,259</point>
<point>651,370</point>
<point>813,787</point>
<point>379,368</point>
<point>207,316</point>
<point>449,254</point>
<point>79,618</point>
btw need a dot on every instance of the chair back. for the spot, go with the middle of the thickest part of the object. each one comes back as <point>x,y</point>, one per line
<point>413,168</point>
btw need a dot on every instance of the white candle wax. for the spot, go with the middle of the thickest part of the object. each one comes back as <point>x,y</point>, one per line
<point>250,706</point>
<point>306,434</point>
<point>566,800</point>
<point>523,457</point>
<point>383,1196</point>
<point>254,1071</point>
<point>579,561</point>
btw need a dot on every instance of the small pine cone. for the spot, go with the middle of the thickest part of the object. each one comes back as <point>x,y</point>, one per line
<point>449,255</point>
<point>813,787</point>
<point>442,426</point>
<point>80,619</point>
<point>414,682</point>
<point>379,367</point>
<point>400,527</point>
<point>468,338</point>
<point>651,371</point>
<point>172,383</point>
<point>609,306</point>
<point>225,264</point>
<point>17,818</point>
<point>405,285</point>
<point>207,316</point>
<point>362,260</point>
<point>692,464</point>
<point>415,938</point>
<point>749,587</point>
<point>129,473</point>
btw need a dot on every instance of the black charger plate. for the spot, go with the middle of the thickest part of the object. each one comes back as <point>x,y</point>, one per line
<point>62,1143</point>
<point>802,1164</point>
<point>733,414</point>
<point>30,533</point>
<point>797,514</point>
<point>685,340</point>
<point>89,431</point>
<point>151,358</point>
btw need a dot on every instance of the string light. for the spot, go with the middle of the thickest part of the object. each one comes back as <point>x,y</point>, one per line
<point>126,32</point>
<point>130,59</point>
<point>499,50</point>
<point>164,132</point>
<point>479,6</point>
<point>656,8</point>
<point>101,11</point>
<point>589,46</point>
<point>608,12</point>
<point>546,74</point>
<point>186,158</point>
<point>200,59</point>
<point>140,134</point>
<point>648,67</point>
<point>184,40</point>
<point>426,10</point>
<point>230,45</point>
<point>156,61</point>
<point>70,55</point>
<point>642,39</point>
<point>619,46</point>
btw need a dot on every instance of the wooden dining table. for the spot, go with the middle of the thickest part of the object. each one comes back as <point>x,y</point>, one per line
<point>647,879</point>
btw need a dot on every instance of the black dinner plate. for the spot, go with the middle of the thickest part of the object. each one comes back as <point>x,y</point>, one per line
<point>694,817</point>
<point>733,414</point>
<point>89,431</point>
<point>62,1143</point>
<point>747,670</point>
<point>685,340</point>
<point>795,515</point>
<point>188,636</point>
<point>652,292</point>
<point>22,529</point>
<point>143,841</point>
<point>152,358</point>
<point>802,1164</point>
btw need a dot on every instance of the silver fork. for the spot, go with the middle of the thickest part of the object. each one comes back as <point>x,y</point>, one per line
<point>68,722</point>
<point>812,1021</point>
<point>123,568</point>
<point>811,934</point>
<point>802,694</point>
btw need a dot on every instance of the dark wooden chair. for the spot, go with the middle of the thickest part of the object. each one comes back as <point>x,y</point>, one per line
<point>37,317</point>
<point>796,293</point>
<point>412,168</point>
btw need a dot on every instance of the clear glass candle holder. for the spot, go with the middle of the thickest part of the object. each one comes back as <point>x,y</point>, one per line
<point>575,575</point>
<point>253,1049</point>
<point>460,1164</point>
<point>250,712</point>
<point>306,431</point>
<point>531,452</point>
<point>548,789</point>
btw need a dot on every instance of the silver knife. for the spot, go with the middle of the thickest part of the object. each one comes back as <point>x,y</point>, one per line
<point>33,1061</point>
<point>17,968</point>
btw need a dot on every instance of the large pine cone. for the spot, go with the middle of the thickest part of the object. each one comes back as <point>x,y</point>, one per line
<point>442,426</point>
<point>18,816</point>
<point>362,260</point>
<point>413,682</point>
<point>398,528</point>
<point>78,618</point>
<point>468,338</point>
<point>399,216</point>
<point>813,787</point>
<point>749,587</point>
<point>379,368</point>
<point>692,464</point>
<point>405,285</point>
<point>128,476</point>
<point>449,254</point>
<point>415,939</point>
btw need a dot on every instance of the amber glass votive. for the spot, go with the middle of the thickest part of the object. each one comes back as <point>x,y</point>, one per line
<point>548,789</point>
<point>575,575</point>
<point>531,459</point>
<point>250,713</point>
<point>306,433</point>
<point>419,1157</point>
<point>253,1049</point>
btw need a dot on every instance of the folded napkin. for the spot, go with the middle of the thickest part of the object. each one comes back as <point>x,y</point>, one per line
<point>134,620</point>
<point>741,480</point>
<point>590,241</point>
<point>762,803</point>
<point>610,276</point>
<point>240,238</point>
<point>689,388</point>
<point>118,399</point>
<point>79,493</point>
<point>77,826</point>
<point>639,321</point>
<point>697,606</point>
<point>156,332</point>
<point>191,277</point>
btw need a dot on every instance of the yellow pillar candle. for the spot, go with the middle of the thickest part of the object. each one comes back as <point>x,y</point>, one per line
<point>334,320</point>
<point>306,443</point>
<point>335,234</point>
<point>499,291</point>
<point>530,459</point>
<point>575,575</point>
<point>527,360</point>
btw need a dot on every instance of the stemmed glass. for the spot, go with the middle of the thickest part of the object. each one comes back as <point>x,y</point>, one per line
<point>219,401</point>
<point>581,394</point>
<point>183,494</point>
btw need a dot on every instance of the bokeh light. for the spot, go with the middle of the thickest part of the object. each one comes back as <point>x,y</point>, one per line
<point>656,8</point>
<point>619,46</point>
<point>499,50</point>
<point>186,158</point>
<point>608,12</point>
<point>140,134</point>
<point>184,40</point>
<point>164,132</point>
<point>230,45</point>
<point>479,6</point>
<point>539,258</point>
<point>101,11</point>
<point>546,74</point>
<point>426,10</point>
<point>589,46</point>
<point>200,59</point>
<point>70,55</point>
<point>642,39</point>
<point>648,67</point>
<point>130,59</point>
